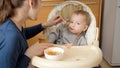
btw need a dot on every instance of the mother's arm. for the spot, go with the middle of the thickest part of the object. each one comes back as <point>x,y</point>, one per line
<point>32,31</point>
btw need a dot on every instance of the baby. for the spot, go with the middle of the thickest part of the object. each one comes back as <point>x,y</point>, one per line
<point>74,31</point>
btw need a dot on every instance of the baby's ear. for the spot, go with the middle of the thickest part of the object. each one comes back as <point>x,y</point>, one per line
<point>85,27</point>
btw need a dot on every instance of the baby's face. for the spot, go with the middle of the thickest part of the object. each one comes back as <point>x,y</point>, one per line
<point>77,24</point>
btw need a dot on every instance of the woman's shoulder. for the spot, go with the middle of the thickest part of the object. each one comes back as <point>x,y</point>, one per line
<point>8,38</point>
<point>8,28</point>
<point>9,34</point>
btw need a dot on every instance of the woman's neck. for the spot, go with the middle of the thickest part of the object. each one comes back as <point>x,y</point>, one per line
<point>19,18</point>
<point>18,23</point>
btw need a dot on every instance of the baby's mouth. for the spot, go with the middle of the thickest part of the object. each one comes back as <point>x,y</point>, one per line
<point>71,28</point>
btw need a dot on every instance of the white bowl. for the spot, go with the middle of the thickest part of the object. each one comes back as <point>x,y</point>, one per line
<point>54,53</point>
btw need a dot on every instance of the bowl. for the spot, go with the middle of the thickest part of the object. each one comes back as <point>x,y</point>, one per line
<point>54,53</point>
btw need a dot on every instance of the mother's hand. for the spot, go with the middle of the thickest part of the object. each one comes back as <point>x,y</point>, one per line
<point>37,49</point>
<point>55,20</point>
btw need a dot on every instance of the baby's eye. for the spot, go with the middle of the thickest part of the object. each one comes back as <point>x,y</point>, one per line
<point>78,23</point>
<point>71,22</point>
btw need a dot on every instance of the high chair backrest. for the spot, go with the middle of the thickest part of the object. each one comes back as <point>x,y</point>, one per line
<point>65,10</point>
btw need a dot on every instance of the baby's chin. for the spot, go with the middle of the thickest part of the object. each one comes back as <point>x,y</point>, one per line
<point>71,31</point>
<point>75,33</point>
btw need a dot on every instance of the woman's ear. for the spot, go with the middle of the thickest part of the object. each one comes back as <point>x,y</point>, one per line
<point>85,27</point>
<point>31,3</point>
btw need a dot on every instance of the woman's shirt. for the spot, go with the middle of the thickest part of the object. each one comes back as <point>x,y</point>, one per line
<point>13,44</point>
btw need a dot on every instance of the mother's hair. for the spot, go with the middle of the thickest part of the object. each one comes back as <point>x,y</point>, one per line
<point>7,8</point>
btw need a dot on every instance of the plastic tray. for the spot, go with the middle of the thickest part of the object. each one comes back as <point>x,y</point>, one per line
<point>74,57</point>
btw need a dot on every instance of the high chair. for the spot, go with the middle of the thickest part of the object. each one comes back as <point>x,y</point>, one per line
<point>88,56</point>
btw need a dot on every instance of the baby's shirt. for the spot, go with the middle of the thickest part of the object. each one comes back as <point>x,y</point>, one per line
<point>63,36</point>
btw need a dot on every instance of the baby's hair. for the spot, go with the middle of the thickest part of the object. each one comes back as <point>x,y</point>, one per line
<point>84,13</point>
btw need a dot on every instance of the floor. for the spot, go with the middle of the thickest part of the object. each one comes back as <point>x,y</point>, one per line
<point>104,64</point>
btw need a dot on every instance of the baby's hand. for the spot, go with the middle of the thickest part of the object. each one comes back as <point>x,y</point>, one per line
<point>69,45</point>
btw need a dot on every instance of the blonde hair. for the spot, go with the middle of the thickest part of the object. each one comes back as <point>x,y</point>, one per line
<point>84,13</point>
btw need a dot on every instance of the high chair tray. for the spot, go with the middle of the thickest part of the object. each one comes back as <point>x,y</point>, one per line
<point>74,57</point>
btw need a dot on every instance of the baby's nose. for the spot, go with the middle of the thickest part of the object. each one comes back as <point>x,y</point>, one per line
<point>73,24</point>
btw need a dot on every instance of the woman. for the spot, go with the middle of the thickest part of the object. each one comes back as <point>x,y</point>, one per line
<point>13,45</point>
